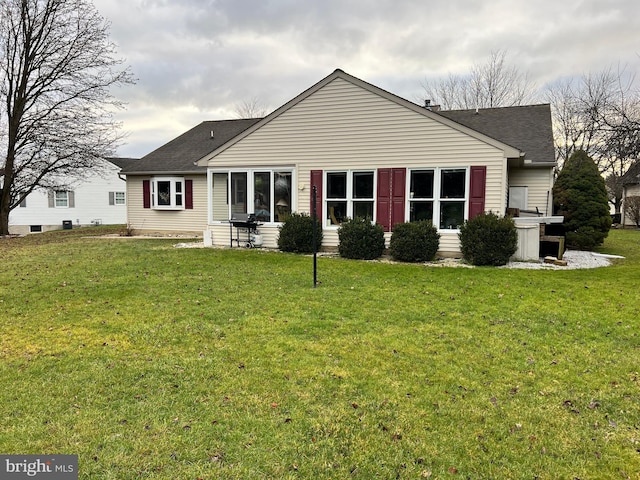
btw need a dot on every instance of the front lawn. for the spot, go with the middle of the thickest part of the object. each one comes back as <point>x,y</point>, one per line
<point>150,361</point>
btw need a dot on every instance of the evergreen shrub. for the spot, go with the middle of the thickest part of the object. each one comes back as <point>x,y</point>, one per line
<point>414,242</point>
<point>488,239</point>
<point>360,239</point>
<point>296,234</point>
<point>580,195</point>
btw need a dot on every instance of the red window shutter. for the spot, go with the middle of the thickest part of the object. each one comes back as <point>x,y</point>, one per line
<point>398,187</point>
<point>146,194</point>
<point>383,200</point>
<point>316,181</point>
<point>477,188</point>
<point>188,192</point>
<point>391,197</point>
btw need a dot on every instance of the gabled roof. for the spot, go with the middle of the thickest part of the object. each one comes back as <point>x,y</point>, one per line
<point>180,154</point>
<point>527,128</point>
<point>509,150</point>
<point>632,176</point>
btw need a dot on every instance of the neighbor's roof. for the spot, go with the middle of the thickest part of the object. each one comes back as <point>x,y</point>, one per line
<point>181,153</point>
<point>632,177</point>
<point>122,162</point>
<point>527,128</point>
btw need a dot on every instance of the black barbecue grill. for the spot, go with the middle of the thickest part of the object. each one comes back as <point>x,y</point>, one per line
<point>244,223</point>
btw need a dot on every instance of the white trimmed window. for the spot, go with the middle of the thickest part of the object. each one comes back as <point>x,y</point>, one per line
<point>265,193</point>
<point>61,199</point>
<point>439,195</point>
<point>117,198</point>
<point>349,194</point>
<point>167,193</point>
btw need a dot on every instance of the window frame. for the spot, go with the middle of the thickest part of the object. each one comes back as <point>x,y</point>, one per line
<point>438,200</point>
<point>61,199</point>
<point>250,191</point>
<point>176,193</point>
<point>330,220</point>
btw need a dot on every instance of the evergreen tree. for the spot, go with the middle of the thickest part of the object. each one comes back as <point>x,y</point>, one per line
<point>580,195</point>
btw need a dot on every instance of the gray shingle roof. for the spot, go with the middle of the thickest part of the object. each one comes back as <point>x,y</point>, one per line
<point>527,128</point>
<point>180,154</point>
<point>632,177</point>
<point>122,162</point>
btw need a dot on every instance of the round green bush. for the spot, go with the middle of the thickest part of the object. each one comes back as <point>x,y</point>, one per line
<point>414,242</point>
<point>487,239</point>
<point>296,234</point>
<point>360,239</point>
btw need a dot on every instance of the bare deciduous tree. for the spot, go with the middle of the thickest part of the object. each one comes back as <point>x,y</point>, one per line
<point>491,84</point>
<point>251,108</point>
<point>57,65</point>
<point>599,113</point>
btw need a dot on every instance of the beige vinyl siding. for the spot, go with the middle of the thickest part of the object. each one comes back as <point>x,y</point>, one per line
<point>342,126</point>
<point>150,220</point>
<point>539,183</point>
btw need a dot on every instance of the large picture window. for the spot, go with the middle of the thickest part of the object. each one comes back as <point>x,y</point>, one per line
<point>439,195</point>
<point>349,194</point>
<point>265,193</point>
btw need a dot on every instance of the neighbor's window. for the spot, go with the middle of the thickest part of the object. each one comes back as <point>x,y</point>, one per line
<point>265,193</point>
<point>117,198</point>
<point>61,198</point>
<point>168,193</point>
<point>349,194</point>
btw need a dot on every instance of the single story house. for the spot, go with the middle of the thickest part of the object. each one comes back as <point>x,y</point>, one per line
<point>99,198</point>
<point>366,151</point>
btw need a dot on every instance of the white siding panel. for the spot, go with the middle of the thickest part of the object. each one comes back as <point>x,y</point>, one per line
<point>91,204</point>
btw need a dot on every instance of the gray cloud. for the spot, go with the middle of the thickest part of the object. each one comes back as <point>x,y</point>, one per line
<point>197,59</point>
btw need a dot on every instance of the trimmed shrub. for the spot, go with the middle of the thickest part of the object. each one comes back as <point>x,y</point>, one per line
<point>580,195</point>
<point>487,239</point>
<point>360,239</point>
<point>414,242</point>
<point>296,234</point>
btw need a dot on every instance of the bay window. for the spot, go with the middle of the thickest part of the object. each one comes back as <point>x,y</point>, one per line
<point>167,193</point>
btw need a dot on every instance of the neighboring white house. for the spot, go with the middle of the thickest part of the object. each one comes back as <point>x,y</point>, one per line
<point>630,188</point>
<point>367,152</point>
<point>96,200</point>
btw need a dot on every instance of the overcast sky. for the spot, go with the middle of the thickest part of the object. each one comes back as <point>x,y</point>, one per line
<point>196,60</point>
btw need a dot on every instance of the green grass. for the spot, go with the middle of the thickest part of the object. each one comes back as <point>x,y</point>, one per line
<point>150,361</point>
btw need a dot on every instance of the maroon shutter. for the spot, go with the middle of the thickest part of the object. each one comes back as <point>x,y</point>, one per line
<point>477,184</point>
<point>316,181</point>
<point>390,197</point>
<point>146,194</point>
<point>398,186</point>
<point>383,200</point>
<point>188,192</point>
